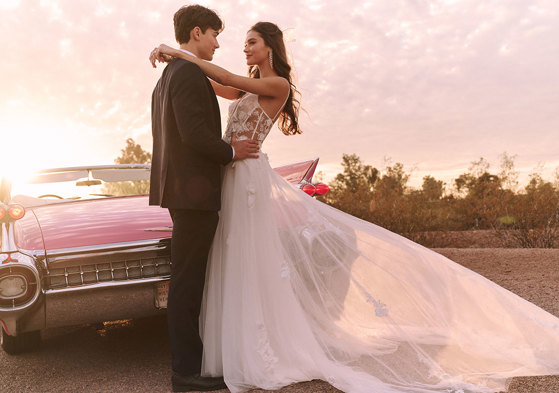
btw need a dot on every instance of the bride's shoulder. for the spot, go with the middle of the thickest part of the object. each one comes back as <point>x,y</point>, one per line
<point>286,84</point>
<point>281,83</point>
<point>282,80</point>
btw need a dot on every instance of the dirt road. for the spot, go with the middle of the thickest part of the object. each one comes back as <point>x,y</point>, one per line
<point>135,357</point>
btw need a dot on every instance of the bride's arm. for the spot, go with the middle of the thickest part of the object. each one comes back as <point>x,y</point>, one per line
<point>225,91</point>
<point>271,87</point>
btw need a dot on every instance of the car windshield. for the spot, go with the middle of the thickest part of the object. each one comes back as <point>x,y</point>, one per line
<point>81,183</point>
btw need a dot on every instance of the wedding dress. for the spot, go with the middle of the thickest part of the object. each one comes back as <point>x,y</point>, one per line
<point>297,290</point>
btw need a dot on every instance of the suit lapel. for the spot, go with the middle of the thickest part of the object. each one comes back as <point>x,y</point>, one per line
<point>215,104</point>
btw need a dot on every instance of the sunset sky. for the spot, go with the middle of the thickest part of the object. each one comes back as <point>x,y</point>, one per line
<point>432,84</point>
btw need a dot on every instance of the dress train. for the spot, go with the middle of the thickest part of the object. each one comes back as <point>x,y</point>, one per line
<point>297,290</point>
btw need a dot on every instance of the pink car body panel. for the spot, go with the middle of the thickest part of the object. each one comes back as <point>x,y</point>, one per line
<point>94,222</point>
<point>113,220</point>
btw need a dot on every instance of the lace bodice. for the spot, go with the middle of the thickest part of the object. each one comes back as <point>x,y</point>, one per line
<point>247,120</point>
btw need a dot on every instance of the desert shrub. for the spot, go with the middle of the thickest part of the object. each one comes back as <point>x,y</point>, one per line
<point>350,190</point>
<point>485,200</point>
<point>533,219</point>
<point>480,200</point>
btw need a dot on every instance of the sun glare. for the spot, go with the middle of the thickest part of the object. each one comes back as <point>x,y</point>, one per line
<point>33,147</point>
<point>9,4</point>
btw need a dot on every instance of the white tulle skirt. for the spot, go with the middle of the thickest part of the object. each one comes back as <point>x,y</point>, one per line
<point>297,290</point>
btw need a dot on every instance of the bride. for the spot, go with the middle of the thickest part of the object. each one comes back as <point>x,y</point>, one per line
<point>297,290</point>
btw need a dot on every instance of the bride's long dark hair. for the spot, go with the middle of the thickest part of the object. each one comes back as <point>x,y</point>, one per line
<point>273,37</point>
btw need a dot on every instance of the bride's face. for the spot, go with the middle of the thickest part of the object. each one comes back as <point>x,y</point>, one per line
<point>256,50</point>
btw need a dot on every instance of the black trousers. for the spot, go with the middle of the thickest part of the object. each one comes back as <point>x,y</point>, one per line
<point>193,233</point>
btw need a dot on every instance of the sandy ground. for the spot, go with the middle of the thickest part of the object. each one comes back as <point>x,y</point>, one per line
<point>135,357</point>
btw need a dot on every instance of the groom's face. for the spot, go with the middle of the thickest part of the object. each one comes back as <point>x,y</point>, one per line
<point>207,44</point>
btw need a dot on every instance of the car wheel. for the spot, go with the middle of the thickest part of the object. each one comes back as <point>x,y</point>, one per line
<point>23,342</point>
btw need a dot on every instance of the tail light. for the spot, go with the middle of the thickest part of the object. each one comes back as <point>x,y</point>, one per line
<point>11,212</point>
<point>16,212</point>
<point>12,286</point>
<point>18,286</point>
<point>309,189</point>
<point>315,189</point>
<point>321,188</point>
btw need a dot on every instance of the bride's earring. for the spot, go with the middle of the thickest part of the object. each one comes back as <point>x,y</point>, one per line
<point>271,59</point>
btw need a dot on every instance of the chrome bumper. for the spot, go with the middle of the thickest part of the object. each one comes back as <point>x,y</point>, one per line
<point>93,284</point>
<point>98,303</point>
<point>87,304</point>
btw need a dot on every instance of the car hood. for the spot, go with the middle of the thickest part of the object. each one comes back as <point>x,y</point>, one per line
<point>92,222</point>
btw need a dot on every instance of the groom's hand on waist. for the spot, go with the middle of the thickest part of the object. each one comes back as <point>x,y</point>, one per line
<point>245,149</point>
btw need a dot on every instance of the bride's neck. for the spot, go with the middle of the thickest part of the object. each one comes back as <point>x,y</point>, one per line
<point>266,71</point>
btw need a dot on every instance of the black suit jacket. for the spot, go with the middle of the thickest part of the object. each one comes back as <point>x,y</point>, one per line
<point>188,152</point>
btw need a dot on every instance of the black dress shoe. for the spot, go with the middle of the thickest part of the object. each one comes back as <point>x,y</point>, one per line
<point>195,383</point>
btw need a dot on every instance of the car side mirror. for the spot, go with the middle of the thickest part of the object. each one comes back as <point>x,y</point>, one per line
<point>89,182</point>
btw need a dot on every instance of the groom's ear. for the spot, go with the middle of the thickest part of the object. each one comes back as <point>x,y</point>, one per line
<point>195,33</point>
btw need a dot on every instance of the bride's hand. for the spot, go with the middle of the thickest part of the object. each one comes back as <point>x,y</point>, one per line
<point>167,50</point>
<point>162,54</point>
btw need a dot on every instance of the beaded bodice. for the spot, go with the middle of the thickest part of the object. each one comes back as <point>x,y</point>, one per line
<point>247,120</point>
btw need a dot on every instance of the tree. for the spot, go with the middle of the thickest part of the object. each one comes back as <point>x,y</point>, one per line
<point>536,214</point>
<point>390,207</point>
<point>479,167</point>
<point>432,189</point>
<point>355,175</point>
<point>350,190</point>
<point>485,199</point>
<point>509,177</point>
<point>131,154</point>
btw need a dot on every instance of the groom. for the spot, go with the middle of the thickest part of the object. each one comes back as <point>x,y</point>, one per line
<point>188,155</point>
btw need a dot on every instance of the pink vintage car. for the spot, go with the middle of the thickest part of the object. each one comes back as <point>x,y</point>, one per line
<point>81,245</point>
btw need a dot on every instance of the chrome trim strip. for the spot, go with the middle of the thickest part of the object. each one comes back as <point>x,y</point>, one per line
<point>128,166</point>
<point>94,167</point>
<point>58,255</point>
<point>32,253</point>
<point>105,285</point>
<point>38,256</point>
<point>310,172</point>
<point>52,255</point>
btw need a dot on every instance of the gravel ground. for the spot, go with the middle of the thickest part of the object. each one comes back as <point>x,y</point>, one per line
<point>134,357</point>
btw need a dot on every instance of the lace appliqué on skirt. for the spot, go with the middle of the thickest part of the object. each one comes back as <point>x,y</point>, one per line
<point>264,349</point>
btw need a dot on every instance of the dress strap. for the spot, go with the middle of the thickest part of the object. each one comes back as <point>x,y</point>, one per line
<point>284,102</point>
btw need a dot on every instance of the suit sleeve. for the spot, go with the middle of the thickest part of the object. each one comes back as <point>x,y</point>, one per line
<point>191,101</point>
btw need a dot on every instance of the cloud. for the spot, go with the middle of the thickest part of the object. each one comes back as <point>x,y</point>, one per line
<point>433,84</point>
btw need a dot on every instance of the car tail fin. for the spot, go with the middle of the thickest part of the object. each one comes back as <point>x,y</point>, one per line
<point>5,190</point>
<point>297,172</point>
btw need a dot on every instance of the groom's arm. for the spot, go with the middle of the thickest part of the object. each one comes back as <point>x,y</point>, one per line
<point>189,94</point>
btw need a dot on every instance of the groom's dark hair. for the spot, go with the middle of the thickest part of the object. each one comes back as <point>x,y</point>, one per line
<point>190,16</point>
